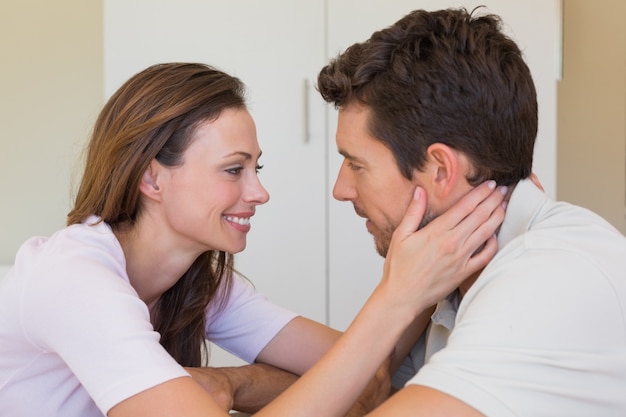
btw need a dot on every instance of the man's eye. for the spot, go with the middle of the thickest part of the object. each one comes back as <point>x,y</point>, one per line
<point>353,167</point>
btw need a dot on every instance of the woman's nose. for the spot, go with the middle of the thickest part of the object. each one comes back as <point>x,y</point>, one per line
<point>256,193</point>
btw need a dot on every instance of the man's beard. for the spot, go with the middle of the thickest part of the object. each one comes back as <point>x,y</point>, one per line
<point>384,240</point>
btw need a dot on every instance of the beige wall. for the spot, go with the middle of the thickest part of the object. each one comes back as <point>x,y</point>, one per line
<point>50,91</point>
<point>591,168</point>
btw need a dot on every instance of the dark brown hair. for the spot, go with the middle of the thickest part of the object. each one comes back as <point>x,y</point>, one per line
<point>153,116</point>
<point>444,76</point>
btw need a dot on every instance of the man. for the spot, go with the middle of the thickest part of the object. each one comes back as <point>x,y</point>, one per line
<point>443,100</point>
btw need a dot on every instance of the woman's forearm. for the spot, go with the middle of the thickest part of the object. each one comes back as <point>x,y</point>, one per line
<point>332,386</point>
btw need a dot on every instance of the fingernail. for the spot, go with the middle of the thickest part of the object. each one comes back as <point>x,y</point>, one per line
<point>504,189</point>
<point>491,184</point>
<point>505,204</point>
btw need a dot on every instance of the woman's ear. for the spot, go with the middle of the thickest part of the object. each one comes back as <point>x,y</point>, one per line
<point>149,181</point>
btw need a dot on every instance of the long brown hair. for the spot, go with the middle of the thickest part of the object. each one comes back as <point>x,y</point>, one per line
<point>153,116</point>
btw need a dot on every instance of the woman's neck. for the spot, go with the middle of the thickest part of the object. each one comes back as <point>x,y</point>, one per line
<point>153,265</point>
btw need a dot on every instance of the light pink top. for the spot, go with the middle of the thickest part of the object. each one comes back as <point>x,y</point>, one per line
<point>75,338</point>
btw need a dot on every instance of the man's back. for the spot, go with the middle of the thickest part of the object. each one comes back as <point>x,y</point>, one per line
<point>543,329</point>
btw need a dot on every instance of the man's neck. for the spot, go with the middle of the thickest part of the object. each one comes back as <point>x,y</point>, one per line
<point>465,285</point>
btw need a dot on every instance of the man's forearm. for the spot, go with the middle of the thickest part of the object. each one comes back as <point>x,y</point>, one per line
<point>244,388</point>
<point>257,384</point>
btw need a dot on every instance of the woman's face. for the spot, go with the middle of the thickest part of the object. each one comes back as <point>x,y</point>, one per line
<point>208,202</point>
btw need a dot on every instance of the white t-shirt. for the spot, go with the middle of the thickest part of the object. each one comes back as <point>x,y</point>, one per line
<point>75,339</point>
<point>542,332</point>
<point>431,341</point>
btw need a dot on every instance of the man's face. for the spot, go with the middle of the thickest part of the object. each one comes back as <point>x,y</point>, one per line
<point>369,177</point>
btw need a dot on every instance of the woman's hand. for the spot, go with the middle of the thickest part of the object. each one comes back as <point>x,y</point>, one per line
<point>421,268</point>
<point>424,266</point>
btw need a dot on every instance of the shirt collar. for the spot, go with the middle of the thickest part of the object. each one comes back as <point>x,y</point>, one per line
<point>525,203</point>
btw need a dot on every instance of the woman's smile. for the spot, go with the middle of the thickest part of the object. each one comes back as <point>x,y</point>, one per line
<point>239,222</point>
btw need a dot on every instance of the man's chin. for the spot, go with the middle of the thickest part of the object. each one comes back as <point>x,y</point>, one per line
<point>381,241</point>
<point>381,248</point>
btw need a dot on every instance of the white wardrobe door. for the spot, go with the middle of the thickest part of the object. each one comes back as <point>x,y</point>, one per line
<point>274,47</point>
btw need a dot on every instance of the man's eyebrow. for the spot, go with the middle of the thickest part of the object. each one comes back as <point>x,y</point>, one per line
<point>347,155</point>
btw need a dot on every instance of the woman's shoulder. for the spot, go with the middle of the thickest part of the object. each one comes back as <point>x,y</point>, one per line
<point>92,233</point>
<point>91,244</point>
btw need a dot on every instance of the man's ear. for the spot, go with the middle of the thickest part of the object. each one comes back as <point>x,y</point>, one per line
<point>149,181</point>
<point>445,166</point>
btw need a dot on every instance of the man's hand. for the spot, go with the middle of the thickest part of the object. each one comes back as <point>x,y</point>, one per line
<point>245,388</point>
<point>217,383</point>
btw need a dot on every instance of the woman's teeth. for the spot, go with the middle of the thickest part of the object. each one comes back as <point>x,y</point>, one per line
<point>244,221</point>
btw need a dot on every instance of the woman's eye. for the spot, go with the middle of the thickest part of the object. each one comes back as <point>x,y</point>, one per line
<point>258,168</point>
<point>234,171</point>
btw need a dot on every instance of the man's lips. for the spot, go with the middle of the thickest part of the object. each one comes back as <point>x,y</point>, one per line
<point>368,223</point>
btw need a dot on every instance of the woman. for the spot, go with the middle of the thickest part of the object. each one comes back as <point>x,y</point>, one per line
<point>169,188</point>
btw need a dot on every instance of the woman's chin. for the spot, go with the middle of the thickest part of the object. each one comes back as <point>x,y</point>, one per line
<point>236,249</point>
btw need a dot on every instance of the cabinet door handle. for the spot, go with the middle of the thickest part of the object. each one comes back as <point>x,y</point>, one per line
<point>305,109</point>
